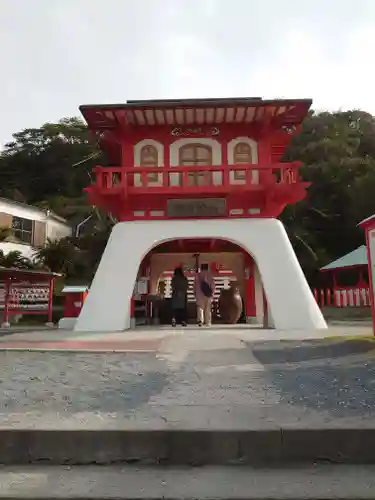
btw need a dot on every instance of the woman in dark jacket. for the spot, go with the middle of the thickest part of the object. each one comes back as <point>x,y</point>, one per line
<point>180,287</point>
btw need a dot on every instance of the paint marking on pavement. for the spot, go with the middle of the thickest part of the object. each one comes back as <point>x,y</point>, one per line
<point>253,367</point>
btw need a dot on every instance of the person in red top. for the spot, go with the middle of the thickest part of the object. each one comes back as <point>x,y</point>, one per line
<point>204,292</point>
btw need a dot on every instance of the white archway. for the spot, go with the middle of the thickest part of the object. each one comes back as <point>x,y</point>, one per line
<point>291,303</point>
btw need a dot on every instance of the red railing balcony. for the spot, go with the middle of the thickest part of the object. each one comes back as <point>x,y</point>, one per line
<point>188,180</point>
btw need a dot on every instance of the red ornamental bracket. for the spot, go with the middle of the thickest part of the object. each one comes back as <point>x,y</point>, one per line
<point>179,131</point>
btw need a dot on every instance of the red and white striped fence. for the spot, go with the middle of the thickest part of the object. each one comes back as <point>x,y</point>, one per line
<point>343,297</point>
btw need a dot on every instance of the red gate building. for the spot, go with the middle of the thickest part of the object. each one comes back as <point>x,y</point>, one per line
<point>206,176</point>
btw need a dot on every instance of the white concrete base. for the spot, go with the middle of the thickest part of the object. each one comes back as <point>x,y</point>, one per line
<point>251,320</point>
<point>290,300</point>
<point>5,324</point>
<point>67,323</point>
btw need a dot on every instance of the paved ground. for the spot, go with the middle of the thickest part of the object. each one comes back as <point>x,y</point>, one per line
<point>151,338</point>
<point>222,378</point>
<point>314,482</point>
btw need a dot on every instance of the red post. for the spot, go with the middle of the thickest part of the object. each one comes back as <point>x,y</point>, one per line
<point>371,285</point>
<point>316,295</point>
<point>7,286</point>
<point>322,297</point>
<point>329,297</point>
<point>249,299</point>
<point>334,279</point>
<point>50,301</point>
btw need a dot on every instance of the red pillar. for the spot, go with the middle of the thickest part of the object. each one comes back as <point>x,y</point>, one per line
<point>334,279</point>
<point>50,301</point>
<point>6,302</point>
<point>329,297</point>
<point>249,299</point>
<point>322,298</point>
<point>371,285</point>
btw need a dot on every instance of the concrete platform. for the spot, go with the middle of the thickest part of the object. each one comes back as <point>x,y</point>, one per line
<point>176,447</point>
<point>152,338</point>
<point>195,396</point>
<point>198,398</point>
<point>207,483</point>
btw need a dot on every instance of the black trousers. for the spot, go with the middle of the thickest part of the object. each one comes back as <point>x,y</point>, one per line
<point>180,315</point>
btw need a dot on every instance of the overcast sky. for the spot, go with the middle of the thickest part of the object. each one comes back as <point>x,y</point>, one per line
<point>58,54</point>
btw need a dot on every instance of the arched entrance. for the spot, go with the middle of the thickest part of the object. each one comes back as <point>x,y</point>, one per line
<point>290,300</point>
<point>230,266</point>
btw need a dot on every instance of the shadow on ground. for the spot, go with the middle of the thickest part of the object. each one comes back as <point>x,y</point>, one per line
<point>295,352</point>
<point>343,389</point>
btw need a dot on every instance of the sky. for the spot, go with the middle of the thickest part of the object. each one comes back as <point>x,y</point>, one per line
<point>58,54</point>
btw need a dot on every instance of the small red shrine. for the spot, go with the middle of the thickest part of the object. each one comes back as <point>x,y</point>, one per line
<point>26,292</point>
<point>198,176</point>
<point>369,227</point>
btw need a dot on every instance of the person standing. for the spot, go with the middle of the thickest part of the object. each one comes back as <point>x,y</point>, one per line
<point>180,287</point>
<point>204,292</point>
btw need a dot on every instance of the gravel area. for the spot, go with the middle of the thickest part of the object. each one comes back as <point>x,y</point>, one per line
<point>224,388</point>
<point>76,382</point>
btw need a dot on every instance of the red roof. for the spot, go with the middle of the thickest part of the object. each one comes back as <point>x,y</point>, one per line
<point>100,117</point>
<point>26,274</point>
<point>368,223</point>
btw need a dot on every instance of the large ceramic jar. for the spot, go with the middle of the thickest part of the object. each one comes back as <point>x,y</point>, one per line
<point>230,305</point>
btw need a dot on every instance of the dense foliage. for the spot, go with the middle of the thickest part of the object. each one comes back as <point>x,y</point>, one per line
<point>44,167</point>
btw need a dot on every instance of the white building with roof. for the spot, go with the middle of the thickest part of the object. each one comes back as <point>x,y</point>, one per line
<point>31,227</point>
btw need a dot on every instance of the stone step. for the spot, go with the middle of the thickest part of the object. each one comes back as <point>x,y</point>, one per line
<point>188,447</point>
<point>153,483</point>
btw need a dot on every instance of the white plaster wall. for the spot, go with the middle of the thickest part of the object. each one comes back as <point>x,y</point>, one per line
<point>254,158</point>
<point>137,160</point>
<point>26,212</point>
<point>217,177</point>
<point>56,230</point>
<point>25,250</point>
<point>107,307</point>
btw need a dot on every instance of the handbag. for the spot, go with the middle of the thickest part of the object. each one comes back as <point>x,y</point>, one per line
<point>206,289</point>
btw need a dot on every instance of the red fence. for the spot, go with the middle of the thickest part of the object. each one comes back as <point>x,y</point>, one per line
<point>179,178</point>
<point>343,297</point>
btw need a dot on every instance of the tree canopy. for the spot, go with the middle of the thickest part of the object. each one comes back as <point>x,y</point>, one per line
<point>39,164</point>
<point>43,166</point>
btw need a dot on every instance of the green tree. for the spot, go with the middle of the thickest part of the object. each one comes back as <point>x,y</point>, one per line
<point>59,256</point>
<point>15,259</point>
<point>338,153</point>
<point>40,162</point>
<point>51,165</point>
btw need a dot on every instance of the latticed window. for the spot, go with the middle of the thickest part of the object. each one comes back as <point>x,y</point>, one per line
<point>23,229</point>
<point>242,156</point>
<point>195,155</point>
<point>149,158</point>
